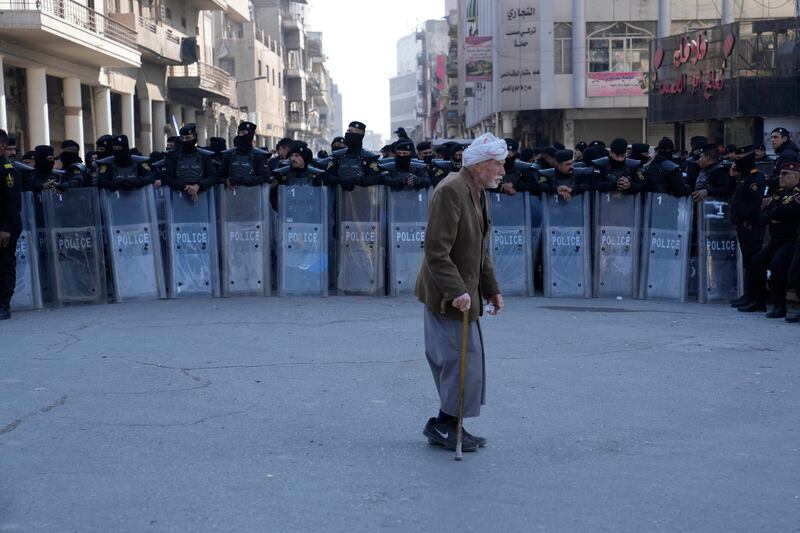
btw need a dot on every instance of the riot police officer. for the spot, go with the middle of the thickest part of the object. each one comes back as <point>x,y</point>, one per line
<point>217,146</point>
<point>281,153</point>
<point>714,177</point>
<point>10,227</point>
<point>75,172</point>
<point>616,172</point>
<point>404,172</point>
<point>354,165</point>
<point>453,153</point>
<point>692,163</point>
<point>566,180</point>
<point>244,164</point>
<point>189,169</point>
<point>782,213</point>
<point>338,144</point>
<point>641,153</point>
<point>509,181</point>
<point>662,174</point>
<point>44,175</point>
<point>746,200</point>
<point>123,170</point>
<point>426,154</point>
<point>785,151</point>
<point>299,171</point>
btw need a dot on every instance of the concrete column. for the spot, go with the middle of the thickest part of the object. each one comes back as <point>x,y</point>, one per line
<point>102,110</point>
<point>73,111</point>
<point>145,142</point>
<point>38,121</point>
<point>578,54</point>
<point>3,114</point>
<point>177,112</point>
<point>728,15</point>
<point>664,18</point>
<point>189,115</point>
<point>159,120</point>
<point>128,127</point>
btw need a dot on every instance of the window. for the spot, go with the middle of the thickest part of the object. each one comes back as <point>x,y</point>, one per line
<point>563,48</point>
<point>619,47</point>
<point>260,73</point>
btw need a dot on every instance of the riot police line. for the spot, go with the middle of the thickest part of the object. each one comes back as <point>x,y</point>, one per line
<point>90,246</point>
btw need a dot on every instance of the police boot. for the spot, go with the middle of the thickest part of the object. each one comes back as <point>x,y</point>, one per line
<point>753,307</point>
<point>793,316</point>
<point>740,302</point>
<point>5,311</point>
<point>776,311</point>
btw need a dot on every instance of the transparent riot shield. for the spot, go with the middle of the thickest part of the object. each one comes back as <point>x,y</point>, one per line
<point>361,243</point>
<point>510,245</point>
<point>75,244</point>
<point>665,248</point>
<point>302,240</point>
<point>244,239</point>
<point>566,245</point>
<point>617,236</point>
<point>408,221</point>
<point>28,290</point>
<point>43,248</point>
<point>192,243</point>
<point>134,244</point>
<point>719,264</point>
<point>160,196</point>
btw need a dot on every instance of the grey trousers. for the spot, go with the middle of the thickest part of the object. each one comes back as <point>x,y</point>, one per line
<point>443,350</point>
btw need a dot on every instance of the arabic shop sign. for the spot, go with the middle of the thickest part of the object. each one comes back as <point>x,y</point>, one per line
<point>478,53</point>
<point>699,64</point>
<point>519,51</point>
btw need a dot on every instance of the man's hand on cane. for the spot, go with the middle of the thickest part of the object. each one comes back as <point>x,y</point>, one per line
<point>463,302</point>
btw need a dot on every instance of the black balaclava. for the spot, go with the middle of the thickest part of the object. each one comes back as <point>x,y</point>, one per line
<point>618,147</point>
<point>189,147</point>
<point>338,143</point>
<point>355,141</point>
<point>42,164</point>
<point>403,162</point>
<point>217,145</point>
<point>121,150</point>
<point>746,164</point>
<point>245,141</point>
<point>455,153</point>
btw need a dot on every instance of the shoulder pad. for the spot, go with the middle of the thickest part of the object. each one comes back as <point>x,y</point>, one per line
<point>259,151</point>
<point>140,159</point>
<point>444,164</point>
<point>229,151</point>
<point>632,163</point>
<point>282,170</point>
<point>603,162</point>
<point>105,161</point>
<point>584,171</point>
<point>384,160</point>
<point>80,166</point>
<point>418,165</point>
<point>340,152</point>
<point>522,165</point>
<point>388,164</point>
<point>58,173</point>
<point>366,154</point>
<point>159,164</point>
<point>203,151</point>
<point>314,170</point>
<point>323,162</point>
<point>669,166</point>
<point>578,164</point>
<point>22,166</point>
<point>548,172</point>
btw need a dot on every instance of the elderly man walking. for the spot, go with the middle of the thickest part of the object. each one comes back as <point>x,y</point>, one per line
<point>455,277</point>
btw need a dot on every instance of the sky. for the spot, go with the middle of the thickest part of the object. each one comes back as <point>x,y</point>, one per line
<point>360,39</point>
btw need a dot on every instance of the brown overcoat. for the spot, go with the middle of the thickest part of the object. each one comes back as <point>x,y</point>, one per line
<point>456,250</point>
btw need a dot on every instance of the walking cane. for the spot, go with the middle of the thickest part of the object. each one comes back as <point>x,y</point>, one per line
<point>461,377</point>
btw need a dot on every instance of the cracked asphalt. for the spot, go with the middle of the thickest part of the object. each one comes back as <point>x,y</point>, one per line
<point>306,415</point>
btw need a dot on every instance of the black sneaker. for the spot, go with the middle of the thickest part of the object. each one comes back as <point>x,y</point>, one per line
<point>740,302</point>
<point>445,435</point>
<point>753,307</point>
<point>776,311</point>
<point>793,316</point>
<point>480,441</point>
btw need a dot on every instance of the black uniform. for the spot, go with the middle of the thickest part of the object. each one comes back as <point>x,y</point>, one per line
<point>529,179</point>
<point>129,176</point>
<point>607,173</point>
<point>190,167</point>
<point>11,223</point>
<point>349,168</point>
<point>580,181</point>
<point>413,177</point>
<point>715,179</point>
<point>782,214</point>
<point>785,153</point>
<point>663,175</point>
<point>745,211</point>
<point>245,166</point>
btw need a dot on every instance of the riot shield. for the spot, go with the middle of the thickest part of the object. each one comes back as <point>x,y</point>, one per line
<point>43,247</point>
<point>134,245</point>
<point>510,245</point>
<point>244,239</point>
<point>74,237</point>
<point>719,265</point>
<point>665,249</point>
<point>617,236</point>
<point>567,250</point>
<point>408,221</point>
<point>193,264</point>
<point>302,240</point>
<point>361,243</point>
<point>28,290</point>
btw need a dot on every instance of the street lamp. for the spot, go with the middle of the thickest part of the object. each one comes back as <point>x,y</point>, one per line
<point>251,79</point>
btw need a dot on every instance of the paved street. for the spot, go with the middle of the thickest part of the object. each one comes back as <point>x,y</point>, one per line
<point>306,415</point>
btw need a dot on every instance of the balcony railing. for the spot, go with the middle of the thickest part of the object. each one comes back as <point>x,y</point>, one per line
<point>209,77</point>
<point>77,15</point>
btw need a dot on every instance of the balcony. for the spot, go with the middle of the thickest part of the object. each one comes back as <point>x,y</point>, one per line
<point>201,80</point>
<point>293,71</point>
<point>209,5</point>
<point>69,30</point>
<point>157,42</point>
